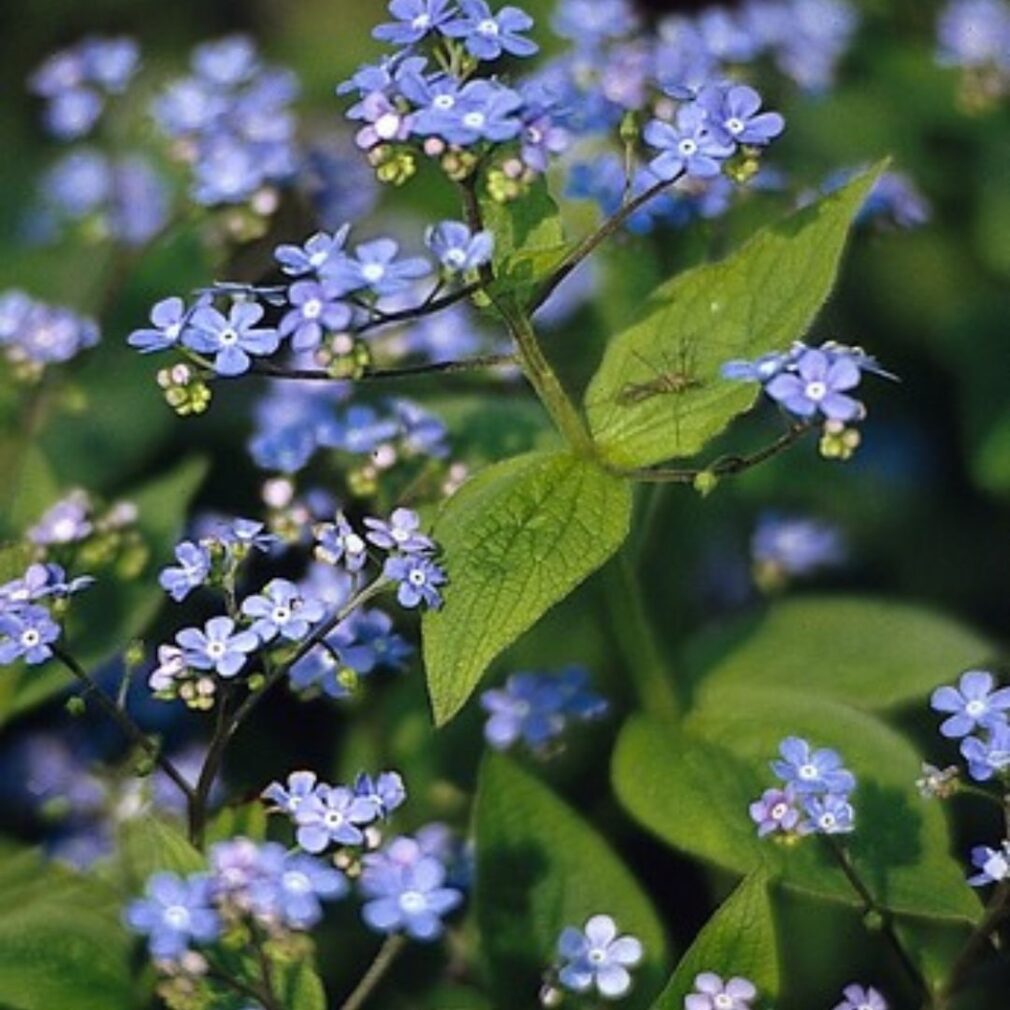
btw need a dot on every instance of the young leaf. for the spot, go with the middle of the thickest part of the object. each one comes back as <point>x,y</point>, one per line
<point>691,786</point>
<point>516,539</point>
<point>737,942</point>
<point>113,612</point>
<point>871,653</point>
<point>301,987</point>
<point>540,868</point>
<point>760,299</point>
<point>149,844</point>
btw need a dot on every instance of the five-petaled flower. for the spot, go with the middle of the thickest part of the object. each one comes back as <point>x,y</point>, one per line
<point>232,339</point>
<point>972,705</point>
<point>596,957</point>
<point>218,647</point>
<point>486,35</point>
<point>712,993</point>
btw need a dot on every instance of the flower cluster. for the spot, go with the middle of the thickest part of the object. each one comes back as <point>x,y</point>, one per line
<point>409,884</point>
<point>28,606</point>
<point>786,547</point>
<point>976,713</point>
<point>34,334</point>
<point>76,82</point>
<point>711,992</point>
<point>230,121</point>
<point>814,797</point>
<point>815,384</point>
<point>974,35</point>
<point>535,708</point>
<point>426,98</point>
<point>280,890</point>
<point>120,198</point>
<point>594,958</point>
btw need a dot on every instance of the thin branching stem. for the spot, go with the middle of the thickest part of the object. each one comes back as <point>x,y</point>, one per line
<point>474,364</point>
<point>377,970</point>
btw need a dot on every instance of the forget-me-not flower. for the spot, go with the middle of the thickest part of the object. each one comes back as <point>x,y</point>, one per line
<point>233,339</point>
<point>486,35</point>
<point>174,913</point>
<point>597,957</point>
<point>973,704</point>
<point>218,647</point>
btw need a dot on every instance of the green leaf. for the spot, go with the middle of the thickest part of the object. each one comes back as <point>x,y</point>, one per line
<point>738,941</point>
<point>871,653</point>
<point>516,539</point>
<point>61,940</point>
<point>760,299</point>
<point>540,868</point>
<point>692,785</point>
<point>529,240</point>
<point>30,486</point>
<point>149,844</point>
<point>112,612</point>
<point>301,987</point>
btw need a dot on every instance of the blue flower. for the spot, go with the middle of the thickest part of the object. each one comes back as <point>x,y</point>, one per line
<point>401,533</point>
<point>409,897</point>
<point>191,572</point>
<point>375,267</point>
<point>483,110</point>
<point>596,956</point>
<point>218,647</point>
<point>457,248</point>
<point>488,35</point>
<point>534,708</point>
<point>975,34</point>
<point>859,998</point>
<point>244,535</point>
<point>820,384</point>
<point>27,633</point>
<point>796,545</point>
<point>315,311</point>
<point>972,705</point>
<point>293,886</point>
<point>282,610</point>
<point>337,543</point>
<point>386,791</point>
<point>776,811</point>
<point>318,251</point>
<point>414,20</point>
<point>169,318</point>
<point>289,798</point>
<point>993,864</point>
<point>174,913</point>
<point>332,815</point>
<point>41,580</point>
<point>66,522</point>
<point>688,146</point>
<point>588,22</point>
<point>712,993</point>
<point>734,115</point>
<point>812,771</point>
<point>418,578</point>
<point>232,338</point>
<point>829,814</point>
<point>989,756</point>
<point>365,641</point>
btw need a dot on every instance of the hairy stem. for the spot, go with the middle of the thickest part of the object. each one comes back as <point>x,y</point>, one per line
<point>228,726</point>
<point>377,970</point>
<point>844,859</point>
<point>377,375</point>
<point>122,718</point>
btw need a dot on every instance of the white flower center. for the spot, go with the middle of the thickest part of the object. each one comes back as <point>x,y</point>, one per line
<point>779,811</point>
<point>816,391</point>
<point>735,125</point>
<point>975,708</point>
<point>373,272</point>
<point>827,820</point>
<point>216,649</point>
<point>333,819</point>
<point>228,336</point>
<point>176,917</point>
<point>416,577</point>
<point>353,544</point>
<point>808,772</point>
<point>422,22</point>
<point>317,259</point>
<point>296,882</point>
<point>997,867</point>
<point>474,120</point>
<point>443,102</point>
<point>282,614</point>
<point>596,955</point>
<point>455,258</point>
<point>172,331</point>
<point>413,902</point>
<point>723,1002</point>
<point>488,28</point>
<point>687,147</point>
<point>30,638</point>
<point>387,126</point>
<point>312,308</point>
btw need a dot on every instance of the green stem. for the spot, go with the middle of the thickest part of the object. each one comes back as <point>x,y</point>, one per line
<point>377,970</point>
<point>873,907</point>
<point>646,665</point>
<point>544,380</point>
